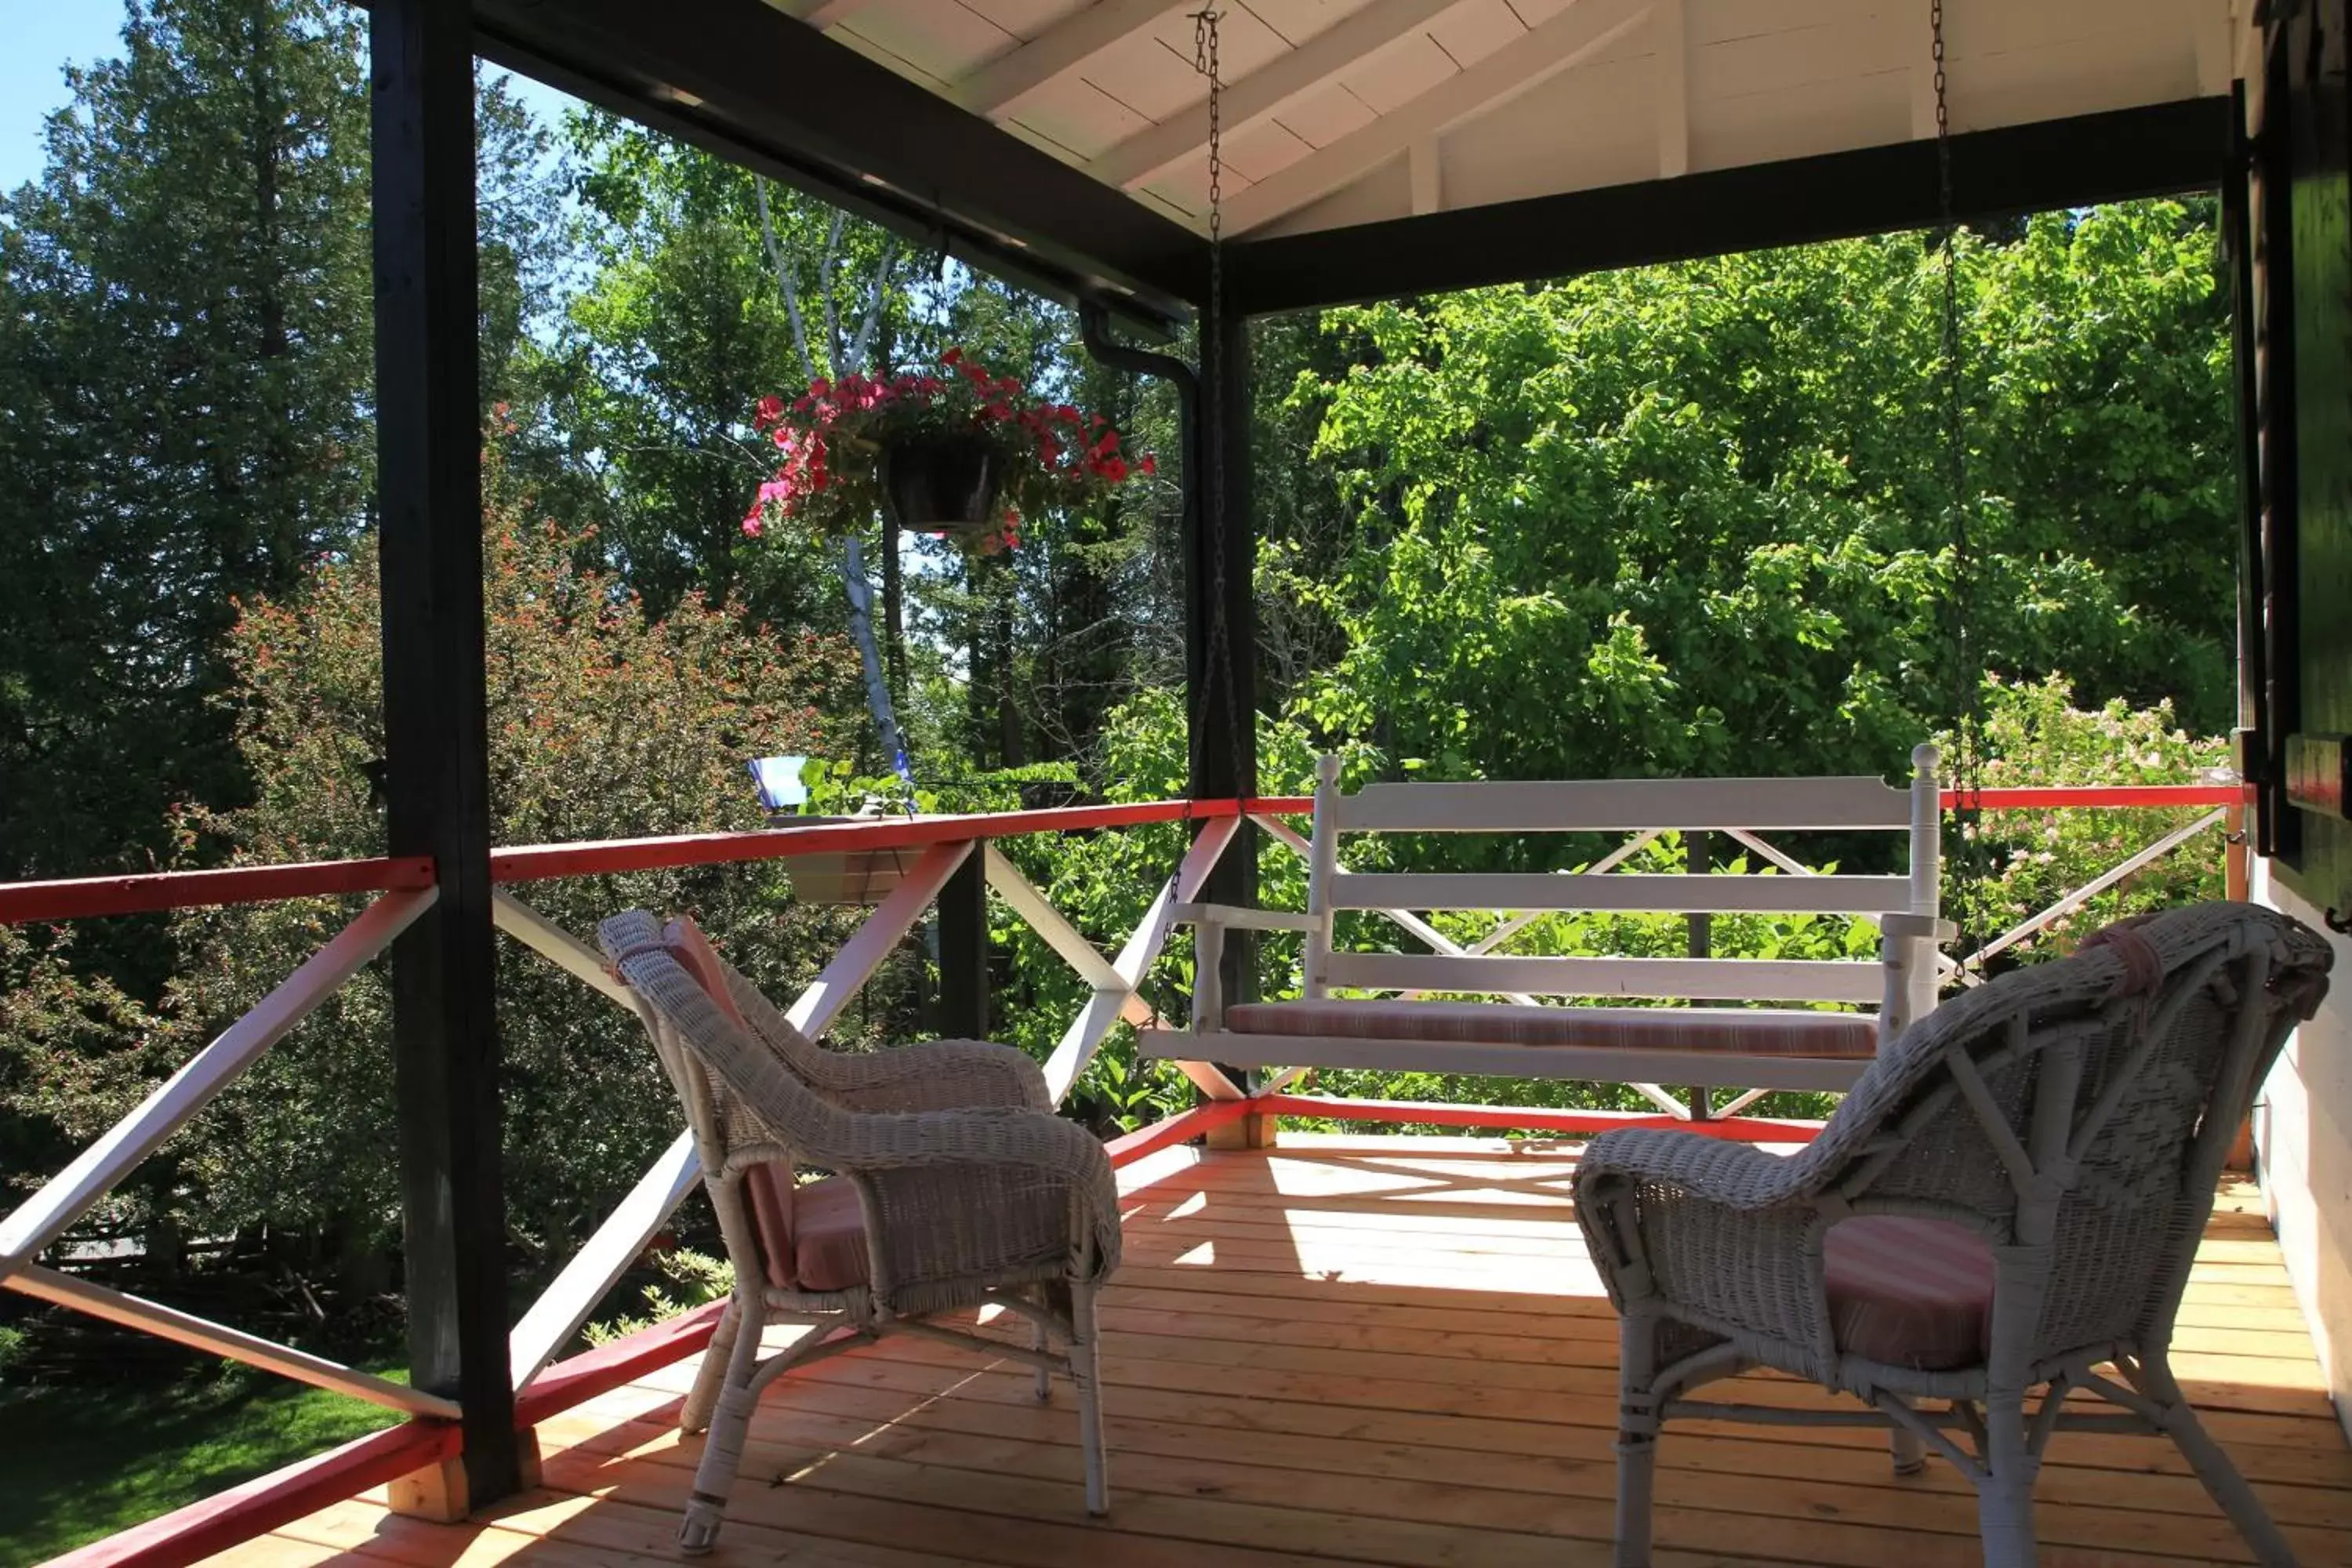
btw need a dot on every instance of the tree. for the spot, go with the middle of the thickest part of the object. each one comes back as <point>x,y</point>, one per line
<point>186,355</point>
<point>186,348</point>
<point>1696,519</point>
<point>603,723</point>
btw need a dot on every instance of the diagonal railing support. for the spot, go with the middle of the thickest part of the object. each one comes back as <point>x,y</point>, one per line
<point>40,1219</point>
<point>1096,1020</point>
<point>200,1333</point>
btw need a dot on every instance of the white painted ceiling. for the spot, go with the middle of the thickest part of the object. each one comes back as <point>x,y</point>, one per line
<point>1346,112</point>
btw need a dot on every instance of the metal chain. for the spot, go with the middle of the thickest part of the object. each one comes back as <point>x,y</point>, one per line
<point>1966,768</point>
<point>1206,41</point>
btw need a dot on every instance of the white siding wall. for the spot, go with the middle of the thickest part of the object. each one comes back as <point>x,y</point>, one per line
<point>2303,1126</point>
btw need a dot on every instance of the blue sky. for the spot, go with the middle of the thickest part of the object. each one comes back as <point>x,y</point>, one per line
<point>38,38</point>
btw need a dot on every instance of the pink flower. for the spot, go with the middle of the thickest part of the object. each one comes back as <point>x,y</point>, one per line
<point>751,526</point>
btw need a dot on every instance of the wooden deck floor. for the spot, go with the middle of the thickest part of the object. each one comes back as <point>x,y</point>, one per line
<point>1370,1351</point>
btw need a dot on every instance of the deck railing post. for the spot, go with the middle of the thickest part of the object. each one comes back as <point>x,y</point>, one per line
<point>1698,847</point>
<point>963,952</point>
<point>429,506</point>
<point>1221,628</point>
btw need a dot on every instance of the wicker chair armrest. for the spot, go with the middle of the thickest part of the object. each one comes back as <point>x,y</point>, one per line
<point>937,1075</point>
<point>1717,1232</point>
<point>1734,1176</point>
<point>962,1195</point>
<point>967,1135</point>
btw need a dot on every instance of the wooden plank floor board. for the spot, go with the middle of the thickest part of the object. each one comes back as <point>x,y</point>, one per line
<point>1377,1351</point>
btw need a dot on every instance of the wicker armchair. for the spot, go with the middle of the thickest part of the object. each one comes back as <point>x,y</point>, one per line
<point>2009,1201</point>
<point>930,1209</point>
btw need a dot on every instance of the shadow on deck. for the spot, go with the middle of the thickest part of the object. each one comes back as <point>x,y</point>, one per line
<point>1384,1350</point>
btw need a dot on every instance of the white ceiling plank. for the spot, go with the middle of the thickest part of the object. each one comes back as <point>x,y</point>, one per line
<point>1472,31</point>
<point>998,89</point>
<point>1141,158</point>
<point>1671,61</point>
<point>1919,45</point>
<point>2215,68</point>
<point>1581,31</point>
<point>832,12</point>
<point>1421,173</point>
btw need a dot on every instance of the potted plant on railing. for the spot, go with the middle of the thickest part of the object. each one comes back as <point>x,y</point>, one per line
<point>962,453</point>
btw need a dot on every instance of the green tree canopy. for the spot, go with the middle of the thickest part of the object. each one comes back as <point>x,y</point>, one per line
<point>1695,518</point>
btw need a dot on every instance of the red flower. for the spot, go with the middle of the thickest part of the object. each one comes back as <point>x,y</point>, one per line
<point>953,356</point>
<point>1115,470</point>
<point>1149,465</point>
<point>769,410</point>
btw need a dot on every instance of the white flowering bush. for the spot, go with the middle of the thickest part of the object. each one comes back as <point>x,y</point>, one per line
<point>2011,865</point>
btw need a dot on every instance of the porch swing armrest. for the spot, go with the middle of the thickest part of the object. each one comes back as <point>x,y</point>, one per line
<point>1934,927</point>
<point>1232,917</point>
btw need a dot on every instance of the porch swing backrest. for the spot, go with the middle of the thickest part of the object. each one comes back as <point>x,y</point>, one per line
<point>1799,1047</point>
<point>1614,805</point>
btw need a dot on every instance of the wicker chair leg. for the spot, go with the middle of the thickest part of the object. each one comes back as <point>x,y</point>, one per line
<point>712,1376</point>
<point>2005,1495</point>
<point>1910,1453</point>
<point>722,1449</point>
<point>2222,1481</point>
<point>1086,1371</point>
<point>1637,1436</point>
<point>1041,1342</point>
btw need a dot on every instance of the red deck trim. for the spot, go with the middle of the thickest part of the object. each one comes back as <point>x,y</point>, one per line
<point>1406,1112</point>
<point>262,1504</point>
<point>533,862</point>
<point>1181,1128</point>
<point>21,903</point>
<point>2063,797</point>
<point>580,1378</point>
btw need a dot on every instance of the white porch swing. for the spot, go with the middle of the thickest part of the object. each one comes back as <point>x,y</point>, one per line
<point>1382,1021</point>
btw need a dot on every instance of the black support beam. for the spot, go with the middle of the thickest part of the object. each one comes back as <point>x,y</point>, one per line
<point>2076,161</point>
<point>743,79</point>
<point>428,494</point>
<point>1221,624</point>
<point>963,949</point>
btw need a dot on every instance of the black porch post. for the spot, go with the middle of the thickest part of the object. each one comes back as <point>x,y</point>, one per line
<point>963,949</point>
<point>1221,626</point>
<point>428,494</point>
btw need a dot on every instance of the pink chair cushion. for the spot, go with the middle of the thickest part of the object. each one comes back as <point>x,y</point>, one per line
<point>699,959</point>
<point>1755,1032</point>
<point>775,1202</point>
<point>826,1247</point>
<point>1913,1293</point>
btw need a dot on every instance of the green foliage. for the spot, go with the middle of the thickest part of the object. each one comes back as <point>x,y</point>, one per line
<point>184,368</point>
<point>2018,863</point>
<point>1691,519</point>
<point>602,722</point>
<point>697,1277</point>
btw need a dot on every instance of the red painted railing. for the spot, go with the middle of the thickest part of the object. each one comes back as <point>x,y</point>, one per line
<point>23,904</point>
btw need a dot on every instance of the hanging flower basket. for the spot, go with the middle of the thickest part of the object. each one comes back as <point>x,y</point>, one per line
<point>963,452</point>
<point>944,483</point>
